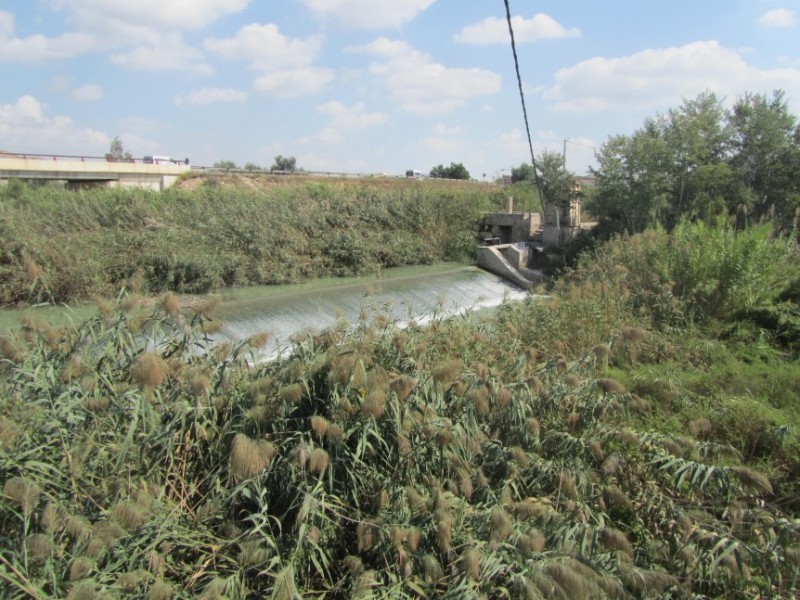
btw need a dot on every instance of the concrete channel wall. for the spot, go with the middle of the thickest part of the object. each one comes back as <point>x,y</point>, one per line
<point>505,260</point>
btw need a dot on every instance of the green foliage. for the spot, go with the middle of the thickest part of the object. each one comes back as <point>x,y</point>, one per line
<point>588,444</point>
<point>556,182</point>
<point>524,172</point>
<point>454,171</point>
<point>116,152</point>
<point>225,164</point>
<point>699,272</point>
<point>61,246</point>
<point>466,458</point>
<point>284,163</point>
<point>701,161</point>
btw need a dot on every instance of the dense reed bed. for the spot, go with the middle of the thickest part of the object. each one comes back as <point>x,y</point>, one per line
<point>61,246</point>
<point>593,445</point>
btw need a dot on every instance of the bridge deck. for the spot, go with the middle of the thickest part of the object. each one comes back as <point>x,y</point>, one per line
<point>76,169</point>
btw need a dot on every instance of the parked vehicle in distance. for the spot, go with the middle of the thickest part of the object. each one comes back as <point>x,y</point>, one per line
<point>414,174</point>
<point>163,160</point>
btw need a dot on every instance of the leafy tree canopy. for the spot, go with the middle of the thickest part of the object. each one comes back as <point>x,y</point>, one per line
<point>225,164</point>
<point>284,163</point>
<point>702,161</point>
<point>454,171</point>
<point>116,153</point>
<point>524,172</point>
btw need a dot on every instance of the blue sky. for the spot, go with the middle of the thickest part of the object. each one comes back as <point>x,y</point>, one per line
<point>373,86</point>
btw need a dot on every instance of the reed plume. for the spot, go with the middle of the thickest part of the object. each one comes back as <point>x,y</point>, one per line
<point>24,492</point>
<point>250,457</point>
<point>149,371</point>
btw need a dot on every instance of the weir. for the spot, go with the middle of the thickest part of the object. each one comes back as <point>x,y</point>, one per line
<point>400,301</point>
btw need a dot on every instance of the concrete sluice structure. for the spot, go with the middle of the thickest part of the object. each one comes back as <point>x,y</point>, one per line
<point>516,237</point>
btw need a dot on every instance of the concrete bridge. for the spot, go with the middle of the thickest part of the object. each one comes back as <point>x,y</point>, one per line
<point>79,171</point>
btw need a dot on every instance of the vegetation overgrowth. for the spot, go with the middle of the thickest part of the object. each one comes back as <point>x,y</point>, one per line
<point>703,160</point>
<point>61,246</point>
<point>632,436</point>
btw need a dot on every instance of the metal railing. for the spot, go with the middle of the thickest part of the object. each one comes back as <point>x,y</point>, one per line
<point>57,157</point>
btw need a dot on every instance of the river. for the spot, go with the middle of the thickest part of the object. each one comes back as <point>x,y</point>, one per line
<point>401,296</point>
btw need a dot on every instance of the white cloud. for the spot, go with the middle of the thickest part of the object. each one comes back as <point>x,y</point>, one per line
<point>158,14</point>
<point>442,129</point>
<point>656,78</point>
<point>424,87</point>
<point>25,127</point>
<point>513,143</point>
<point>778,17</point>
<point>266,48</point>
<point>444,141</point>
<point>211,95</point>
<point>37,48</point>
<point>368,14</point>
<point>382,47</point>
<point>351,118</point>
<point>345,119</point>
<point>169,54</point>
<point>102,25</point>
<point>512,147</point>
<point>493,30</point>
<point>293,83</point>
<point>87,93</point>
<point>285,63</point>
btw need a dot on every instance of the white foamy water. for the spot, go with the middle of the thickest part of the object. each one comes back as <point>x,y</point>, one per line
<point>418,298</point>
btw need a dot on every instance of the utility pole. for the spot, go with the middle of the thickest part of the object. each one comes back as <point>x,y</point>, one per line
<point>564,155</point>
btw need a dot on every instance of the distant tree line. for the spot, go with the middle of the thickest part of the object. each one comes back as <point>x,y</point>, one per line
<point>282,163</point>
<point>702,161</point>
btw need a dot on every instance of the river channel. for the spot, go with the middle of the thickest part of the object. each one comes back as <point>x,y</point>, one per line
<point>401,296</point>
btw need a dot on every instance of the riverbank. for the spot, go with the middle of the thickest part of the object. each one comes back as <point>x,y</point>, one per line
<point>632,436</point>
<point>63,247</point>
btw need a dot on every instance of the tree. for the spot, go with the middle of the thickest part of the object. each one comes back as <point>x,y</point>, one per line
<point>251,167</point>
<point>555,182</point>
<point>632,179</point>
<point>225,164</point>
<point>524,172</point>
<point>698,138</point>
<point>116,153</point>
<point>454,171</point>
<point>765,158</point>
<point>284,163</point>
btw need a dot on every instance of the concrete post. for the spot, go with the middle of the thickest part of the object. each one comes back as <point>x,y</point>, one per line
<point>510,204</point>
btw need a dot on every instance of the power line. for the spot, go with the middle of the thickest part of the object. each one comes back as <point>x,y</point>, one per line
<point>522,98</point>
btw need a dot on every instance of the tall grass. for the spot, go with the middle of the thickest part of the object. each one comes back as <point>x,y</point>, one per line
<point>521,454</point>
<point>74,245</point>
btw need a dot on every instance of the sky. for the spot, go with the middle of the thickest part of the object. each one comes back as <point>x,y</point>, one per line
<point>374,86</point>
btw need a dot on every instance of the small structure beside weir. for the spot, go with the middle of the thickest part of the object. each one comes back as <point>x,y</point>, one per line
<point>514,237</point>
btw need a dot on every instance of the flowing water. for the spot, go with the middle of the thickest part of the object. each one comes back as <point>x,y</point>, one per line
<point>400,295</point>
<point>417,297</point>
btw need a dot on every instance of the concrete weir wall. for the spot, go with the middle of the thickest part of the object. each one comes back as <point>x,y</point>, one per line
<point>506,261</point>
